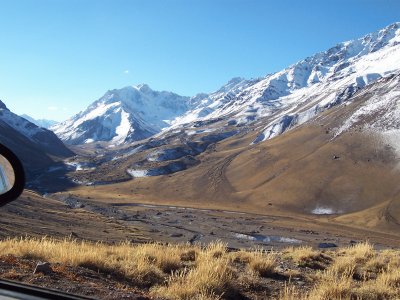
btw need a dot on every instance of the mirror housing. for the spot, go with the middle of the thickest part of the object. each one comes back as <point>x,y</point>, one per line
<point>19,176</point>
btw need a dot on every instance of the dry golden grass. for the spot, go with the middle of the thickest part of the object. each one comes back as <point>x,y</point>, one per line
<point>145,264</point>
<point>357,272</point>
<point>342,266</point>
<point>261,263</point>
<point>306,256</point>
<point>302,253</point>
<point>192,272</point>
<point>209,279</point>
<point>360,252</point>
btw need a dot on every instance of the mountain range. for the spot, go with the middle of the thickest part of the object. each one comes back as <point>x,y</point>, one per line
<point>44,123</point>
<point>275,102</point>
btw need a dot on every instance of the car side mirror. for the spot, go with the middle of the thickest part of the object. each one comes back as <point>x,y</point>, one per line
<point>12,176</point>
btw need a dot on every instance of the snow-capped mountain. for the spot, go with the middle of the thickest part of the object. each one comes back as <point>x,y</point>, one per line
<point>125,115</point>
<point>44,123</point>
<point>271,104</point>
<point>35,146</point>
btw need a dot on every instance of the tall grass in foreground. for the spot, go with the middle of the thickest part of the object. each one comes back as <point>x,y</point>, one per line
<point>192,272</point>
<point>357,272</point>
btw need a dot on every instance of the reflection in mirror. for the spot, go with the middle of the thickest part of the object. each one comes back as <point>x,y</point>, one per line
<point>7,176</point>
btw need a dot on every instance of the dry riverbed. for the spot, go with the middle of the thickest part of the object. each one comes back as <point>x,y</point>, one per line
<point>163,223</point>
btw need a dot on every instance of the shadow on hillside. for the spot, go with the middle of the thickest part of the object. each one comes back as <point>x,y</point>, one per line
<point>53,178</point>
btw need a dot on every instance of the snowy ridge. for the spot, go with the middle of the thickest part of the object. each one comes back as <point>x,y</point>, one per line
<point>215,104</point>
<point>300,92</point>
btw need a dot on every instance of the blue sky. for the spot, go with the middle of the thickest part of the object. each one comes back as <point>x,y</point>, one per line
<point>58,56</point>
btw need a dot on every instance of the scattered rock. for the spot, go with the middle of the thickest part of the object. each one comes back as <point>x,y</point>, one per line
<point>173,222</point>
<point>336,157</point>
<point>187,216</point>
<point>195,238</point>
<point>176,235</point>
<point>327,245</point>
<point>43,267</point>
<point>301,283</point>
<point>308,231</point>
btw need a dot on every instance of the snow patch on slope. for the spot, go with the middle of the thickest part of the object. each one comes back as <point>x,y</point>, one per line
<point>123,129</point>
<point>137,173</point>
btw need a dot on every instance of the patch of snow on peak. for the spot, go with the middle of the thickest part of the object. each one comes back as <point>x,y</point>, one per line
<point>123,129</point>
<point>98,111</point>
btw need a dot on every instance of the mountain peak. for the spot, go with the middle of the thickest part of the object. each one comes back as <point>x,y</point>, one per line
<point>3,106</point>
<point>393,26</point>
<point>235,80</point>
<point>143,87</point>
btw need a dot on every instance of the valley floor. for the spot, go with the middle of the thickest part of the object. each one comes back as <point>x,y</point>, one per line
<point>171,224</point>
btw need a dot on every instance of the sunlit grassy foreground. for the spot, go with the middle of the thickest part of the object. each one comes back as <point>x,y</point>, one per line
<point>211,272</point>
